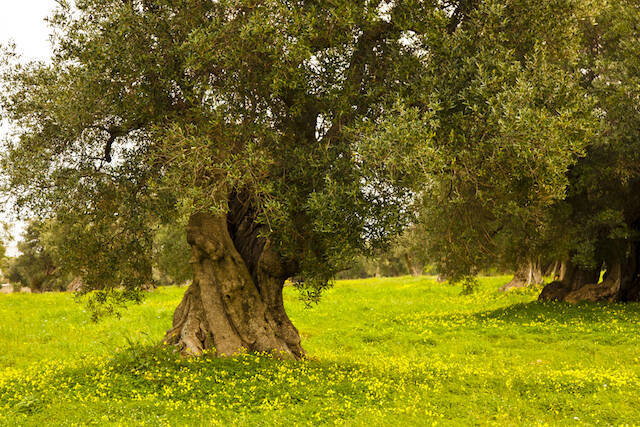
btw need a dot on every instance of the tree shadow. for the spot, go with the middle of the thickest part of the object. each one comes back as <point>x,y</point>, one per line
<point>153,374</point>
<point>584,313</point>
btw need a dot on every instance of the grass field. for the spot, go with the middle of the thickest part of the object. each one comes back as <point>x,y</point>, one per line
<point>382,352</point>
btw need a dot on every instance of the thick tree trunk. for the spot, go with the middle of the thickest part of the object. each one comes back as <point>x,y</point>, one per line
<point>527,274</point>
<point>608,290</point>
<point>571,279</point>
<point>235,302</point>
<point>621,281</point>
<point>630,281</point>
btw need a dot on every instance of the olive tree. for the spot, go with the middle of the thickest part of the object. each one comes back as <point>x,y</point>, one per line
<point>602,207</point>
<point>255,121</point>
<point>513,121</point>
<point>539,143</point>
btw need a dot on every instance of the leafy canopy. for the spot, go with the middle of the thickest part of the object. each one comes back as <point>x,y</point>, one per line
<point>153,110</point>
<point>333,121</point>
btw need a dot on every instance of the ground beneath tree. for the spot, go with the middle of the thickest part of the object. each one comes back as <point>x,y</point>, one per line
<point>382,352</point>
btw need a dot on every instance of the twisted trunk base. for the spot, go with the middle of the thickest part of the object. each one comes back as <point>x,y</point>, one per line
<point>571,280</point>
<point>235,303</point>
<point>527,274</point>
<point>621,282</point>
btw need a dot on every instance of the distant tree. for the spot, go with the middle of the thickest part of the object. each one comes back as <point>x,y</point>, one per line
<point>35,267</point>
<point>513,121</point>
<point>525,275</point>
<point>4,260</point>
<point>540,146</point>
<point>171,254</point>
<point>411,249</point>
<point>383,264</point>
<point>603,201</point>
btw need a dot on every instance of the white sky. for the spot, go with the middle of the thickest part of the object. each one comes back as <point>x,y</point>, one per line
<point>22,21</point>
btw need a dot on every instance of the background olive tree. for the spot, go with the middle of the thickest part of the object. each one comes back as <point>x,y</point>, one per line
<point>250,119</point>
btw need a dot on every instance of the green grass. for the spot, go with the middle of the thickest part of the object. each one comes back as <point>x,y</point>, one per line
<point>383,352</point>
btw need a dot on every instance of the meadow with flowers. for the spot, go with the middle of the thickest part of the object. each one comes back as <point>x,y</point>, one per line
<point>380,352</point>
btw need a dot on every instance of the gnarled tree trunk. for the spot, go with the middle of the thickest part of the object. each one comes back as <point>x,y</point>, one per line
<point>621,281</point>
<point>571,279</point>
<point>527,274</point>
<point>235,301</point>
<point>593,291</point>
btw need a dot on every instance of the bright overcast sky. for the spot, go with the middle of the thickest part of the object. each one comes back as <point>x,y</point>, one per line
<point>22,21</point>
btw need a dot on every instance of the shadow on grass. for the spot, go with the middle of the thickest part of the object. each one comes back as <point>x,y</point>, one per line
<point>141,383</point>
<point>564,313</point>
<point>601,315</point>
<point>156,376</point>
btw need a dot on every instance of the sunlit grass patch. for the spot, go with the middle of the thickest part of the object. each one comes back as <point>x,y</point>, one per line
<point>382,351</point>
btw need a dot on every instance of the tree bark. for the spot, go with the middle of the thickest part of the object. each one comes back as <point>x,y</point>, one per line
<point>235,302</point>
<point>621,282</point>
<point>527,274</point>
<point>414,269</point>
<point>553,269</point>
<point>630,282</point>
<point>593,291</point>
<point>571,279</point>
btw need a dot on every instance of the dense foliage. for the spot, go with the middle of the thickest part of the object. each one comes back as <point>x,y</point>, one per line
<point>543,153</point>
<point>153,110</point>
<point>171,256</point>
<point>512,120</point>
<point>502,131</point>
<point>42,263</point>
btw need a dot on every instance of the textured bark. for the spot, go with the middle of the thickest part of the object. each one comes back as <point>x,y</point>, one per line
<point>553,269</point>
<point>606,291</point>
<point>527,274</point>
<point>630,281</point>
<point>190,327</point>
<point>554,291</point>
<point>235,301</point>
<point>563,270</point>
